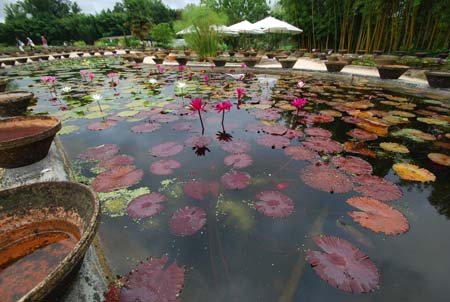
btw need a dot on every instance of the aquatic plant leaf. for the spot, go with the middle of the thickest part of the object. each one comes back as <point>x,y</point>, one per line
<point>151,281</point>
<point>412,172</point>
<point>326,179</point>
<point>198,141</point>
<point>414,134</point>
<point>293,133</point>
<point>440,159</point>
<point>68,129</point>
<point>316,131</point>
<point>99,152</point>
<point>378,216</point>
<point>115,161</point>
<point>235,180</point>
<point>312,118</point>
<point>432,121</point>
<point>394,147</point>
<point>164,118</point>
<point>146,128</point>
<point>273,141</point>
<point>238,214</point>
<point>301,153</point>
<point>146,205</point>
<point>362,135</point>
<point>358,148</point>
<point>95,115</point>
<point>321,144</point>
<point>114,204</point>
<point>185,126</point>
<point>275,129</point>
<point>102,125</point>
<point>187,221</point>
<point>238,161</point>
<point>352,119</point>
<point>352,164</point>
<point>166,149</point>
<point>236,146</point>
<point>378,188</point>
<point>127,113</point>
<point>274,204</point>
<point>164,166</point>
<point>343,265</point>
<point>117,178</point>
<point>199,189</point>
<point>268,115</point>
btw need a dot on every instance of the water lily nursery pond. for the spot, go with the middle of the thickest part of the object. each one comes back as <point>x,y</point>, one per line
<point>234,186</point>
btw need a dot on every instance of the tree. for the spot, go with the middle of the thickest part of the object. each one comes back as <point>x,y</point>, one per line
<point>162,34</point>
<point>138,16</point>
<point>239,10</point>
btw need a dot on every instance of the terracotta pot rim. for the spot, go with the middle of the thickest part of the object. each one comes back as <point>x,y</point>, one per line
<point>50,131</point>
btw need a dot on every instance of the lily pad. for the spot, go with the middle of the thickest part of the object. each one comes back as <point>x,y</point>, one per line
<point>343,265</point>
<point>166,149</point>
<point>146,128</point>
<point>352,164</point>
<point>235,180</point>
<point>200,189</point>
<point>127,113</point>
<point>187,221</point>
<point>164,166</point>
<point>117,178</point>
<point>301,153</point>
<point>238,161</point>
<point>326,179</point>
<point>315,131</point>
<point>377,188</point>
<point>321,144</point>
<point>412,172</point>
<point>236,146</point>
<point>146,205</point>
<point>274,204</point>
<point>273,141</point>
<point>362,135</point>
<point>394,147</point>
<point>102,125</point>
<point>68,129</point>
<point>101,152</point>
<point>116,161</point>
<point>414,134</point>
<point>440,159</point>
<point>198,141</point>
<point>378,216</point>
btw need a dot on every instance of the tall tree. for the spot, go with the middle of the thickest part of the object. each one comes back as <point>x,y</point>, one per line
<point>238,10</point>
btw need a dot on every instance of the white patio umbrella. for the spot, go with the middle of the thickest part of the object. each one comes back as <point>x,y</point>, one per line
<point>219,28</point>
<point>245,27</point>
<point>273,25</point>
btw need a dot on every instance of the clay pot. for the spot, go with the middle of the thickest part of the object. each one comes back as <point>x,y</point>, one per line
<point>40,210</point>
<point>57,56</point>
<point>270,55</point>
<point>92,53</point>
<point>114,51</point>
<point>335,66</point>
<point>287,63</point>
<point>251,62</point>
<point>219,62</point>
<point>102,52</point>
<point>9,62</point>
<point>332,58</point>
<point>22,60</point>
<point>26,140</point>
<point>14,103</point>
<point>80,54</point>
<point>158,60</point>
<point>66,55</point>
<point>3,83</point>
<point>386,60</point>
<point>127,51</point>
<point>138,58</point>
<point>438,79</point>
<point>182,60</point>
<point>44,57</point>
<point>391,71</point>
<point>231,53</point>
<point>281,57</point>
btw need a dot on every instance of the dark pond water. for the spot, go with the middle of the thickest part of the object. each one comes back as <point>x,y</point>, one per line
<point>241,254</point>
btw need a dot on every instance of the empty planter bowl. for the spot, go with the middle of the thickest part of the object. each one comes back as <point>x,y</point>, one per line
<point>49,226</point>
<point>14,103</point>
<point>335,66</point>
<point>391,72</point>
<point>26,140</point>
<point>287,63</point>
<point>220,62</point>
<point>182,60</point>
<point>251,61</point>
<point>438,79</point>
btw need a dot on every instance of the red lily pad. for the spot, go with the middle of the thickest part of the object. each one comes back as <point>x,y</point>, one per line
<point>358,148</point>
<point>343,265</point>
<point>164,118</point>
<point>275,129</point>
<point>315,131</point>
<point>164,166</point>
<point>362,135</point>
<point>198,141</point>
<point>312,118</point>
<point>116,161</point>
<point>326,179</point>
<point>184,126</point>
<point>166,149</point>
<point>269,114</point>
<point>254,127</point>
<point>235,180</point>
<point>146,128</point>
<point>200,189</point>
<point>146,205</point>
<point>293,133</point>
<point>301,153</point>
<point>236,146</point>
<point>151,281</point>
<point>100,152</point>
<point>273,141</point>
<point>187,221</point>
<point>238,161</point>
<point>352,165</point>
<point>378,216</point>
<point>352,119</point>
<point>377,188</point>
<point>102,125</point>
<point>117,178</point>
<point>274,204</point>
<point>321,144</point>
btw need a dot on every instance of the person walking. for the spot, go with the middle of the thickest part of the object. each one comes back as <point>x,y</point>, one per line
<point>19,44</point>
<point>44,42</point>
<point>30,43</point>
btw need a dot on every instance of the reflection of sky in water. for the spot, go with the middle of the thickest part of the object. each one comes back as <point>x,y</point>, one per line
<point>225,262</point>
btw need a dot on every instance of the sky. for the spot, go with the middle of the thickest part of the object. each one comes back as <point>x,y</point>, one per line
<point>90,6</point>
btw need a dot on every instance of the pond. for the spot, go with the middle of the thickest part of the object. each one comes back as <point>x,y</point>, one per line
<point>233,211</point>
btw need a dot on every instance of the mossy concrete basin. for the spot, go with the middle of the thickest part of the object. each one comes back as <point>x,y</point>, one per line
<point>31,216</point>
<point>26,140</point>
<point>14,103</point>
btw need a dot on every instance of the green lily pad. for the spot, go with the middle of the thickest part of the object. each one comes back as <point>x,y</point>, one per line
<point>68,129</point>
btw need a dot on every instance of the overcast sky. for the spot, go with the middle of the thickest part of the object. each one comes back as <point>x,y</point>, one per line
<point>93,6</point>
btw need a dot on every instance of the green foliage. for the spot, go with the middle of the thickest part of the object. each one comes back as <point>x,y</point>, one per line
<point>79,43</point>
<point>203,38</point>
<point>238,10</point>
<point>162,34</point>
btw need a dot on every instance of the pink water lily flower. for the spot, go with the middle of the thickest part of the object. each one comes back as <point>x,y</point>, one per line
<point>83,73</point>
<point>206,78</point>
<point>243,66</point>
<point>48,79</point>
<point>197,105</point>
<point>91,76</point>
<point>240,92</point>
<point>111,75</point>
<point>212,66</point>
<point>300,84</point>
<point>224,106</point>
<point>299,103</point>
<point>180,68</point>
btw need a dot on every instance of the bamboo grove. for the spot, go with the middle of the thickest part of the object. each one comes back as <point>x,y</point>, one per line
<point>386,25</point>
